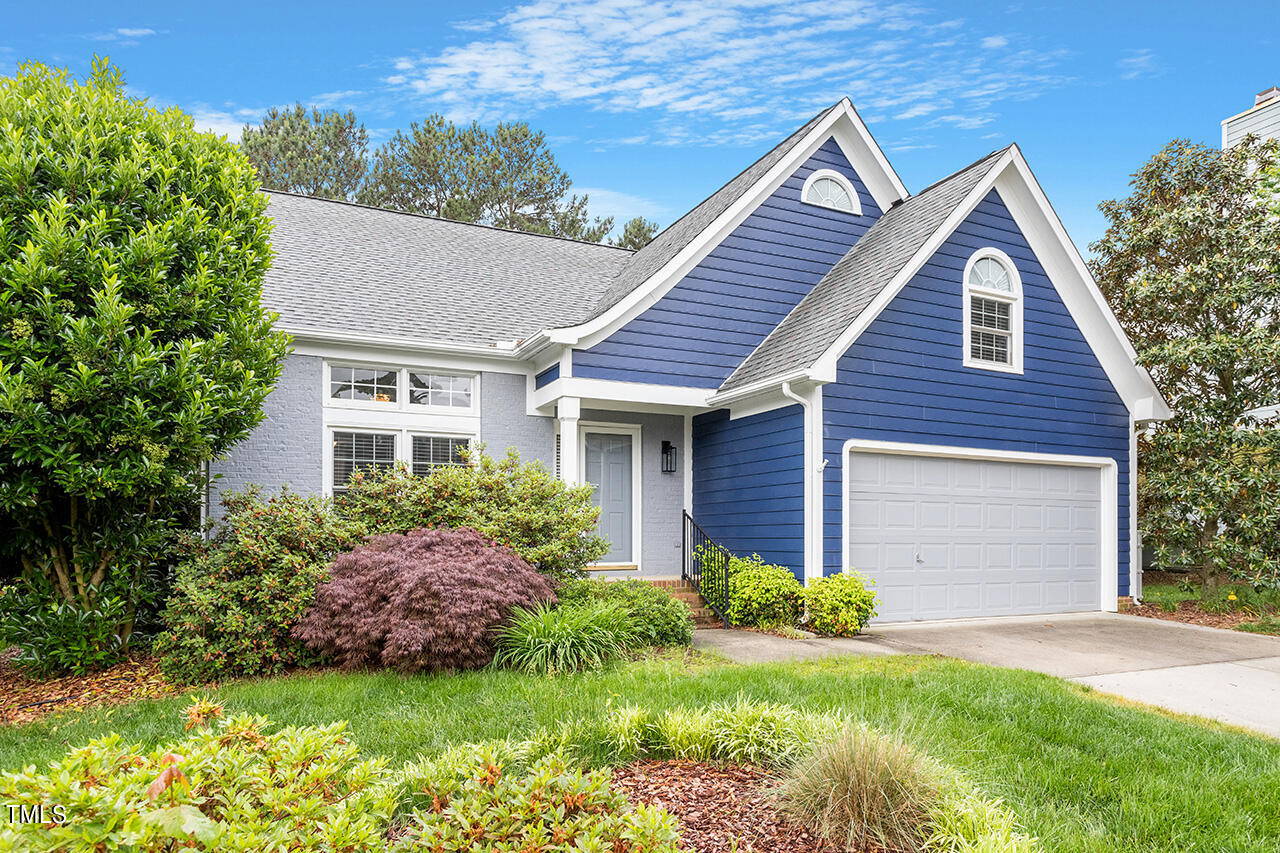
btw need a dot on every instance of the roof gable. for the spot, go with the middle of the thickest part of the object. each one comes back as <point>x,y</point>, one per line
<point>660,265</point>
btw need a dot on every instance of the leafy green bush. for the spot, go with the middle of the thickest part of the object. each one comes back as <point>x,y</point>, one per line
<point>134,347</point>
<point>570,638</point>
<point>53,636</point>
<point>761,593</point>
<point>552,806</point>
<point>232,786</point>
<point>864,790</point>
<point>237,597</point>
<point>660,619</point>
<point>523,506</point>
<point>839,605</point>
<point>963,821</point>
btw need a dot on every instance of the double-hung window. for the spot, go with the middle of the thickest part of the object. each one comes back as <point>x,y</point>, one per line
<point>360,451</point>
<point>992,312</point>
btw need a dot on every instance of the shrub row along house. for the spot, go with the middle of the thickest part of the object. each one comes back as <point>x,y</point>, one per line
<point>814,364</point>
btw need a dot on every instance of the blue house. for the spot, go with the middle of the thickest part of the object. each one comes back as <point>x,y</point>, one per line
<point>813,364</point>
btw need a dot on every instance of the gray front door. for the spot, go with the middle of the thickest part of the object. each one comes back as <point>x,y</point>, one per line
<point>944,538</point>
<point>609,469</point>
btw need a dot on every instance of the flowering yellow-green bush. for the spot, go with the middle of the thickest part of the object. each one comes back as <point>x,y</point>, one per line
<point>839,605</point>
<point>235,785</point>
<point>761,593</point>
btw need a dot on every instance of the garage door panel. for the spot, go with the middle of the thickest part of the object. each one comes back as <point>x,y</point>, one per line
<point>961,537</point>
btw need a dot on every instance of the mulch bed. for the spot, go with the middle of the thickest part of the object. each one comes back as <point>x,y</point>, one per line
<point>1190,613</point>
<point>718,806</point>
<point>23,699</point>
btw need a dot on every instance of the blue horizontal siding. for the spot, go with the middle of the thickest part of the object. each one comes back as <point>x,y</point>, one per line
<point>748,483</point>
<point>546,377</point>
<point>703,328</point>
<point>904,380</point>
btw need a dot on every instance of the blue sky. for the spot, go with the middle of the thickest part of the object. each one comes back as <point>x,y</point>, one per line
<point>650,105</point>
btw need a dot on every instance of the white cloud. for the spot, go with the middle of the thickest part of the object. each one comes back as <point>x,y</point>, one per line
<point>747,68</point>
<point>124,36</point>
<point>132,32</point>
<point>622,206</point>
<point>223,122</point>
<point>329,100</point>
<point>1139,63</point>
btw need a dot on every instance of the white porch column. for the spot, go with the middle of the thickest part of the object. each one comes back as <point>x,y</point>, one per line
<point>568,410</point>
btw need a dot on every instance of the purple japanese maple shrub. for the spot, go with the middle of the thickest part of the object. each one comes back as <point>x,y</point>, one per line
<point>426,600</point>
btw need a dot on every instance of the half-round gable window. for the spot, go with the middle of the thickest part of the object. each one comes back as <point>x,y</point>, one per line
<point>830,189</point>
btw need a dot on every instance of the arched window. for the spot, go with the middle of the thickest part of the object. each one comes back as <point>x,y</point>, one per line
<point>992,312</point>
<point>830,189</point>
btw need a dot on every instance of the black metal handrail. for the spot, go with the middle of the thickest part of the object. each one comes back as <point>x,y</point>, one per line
<point>706,567</point>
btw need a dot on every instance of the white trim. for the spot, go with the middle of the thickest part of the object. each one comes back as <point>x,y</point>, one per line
<point>1013,299</point>
<point>393,342</point>
<point>845,184</point>
<point>637,470</point>
<point>1135,537</point>
<point>687,471</point>
<point>1109,542</point>
<point>859,147</point>
<point>402,402</point>
<point>644,396</point>
<point>568,412</point>
<point>811,460</point>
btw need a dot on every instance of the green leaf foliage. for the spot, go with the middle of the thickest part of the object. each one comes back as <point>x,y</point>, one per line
<point>1191,264</point>
<point>238,596</point>
<point>636,234</point>
<point>571,638</point>
<point>321,154</point>
<point>133,345</point>
<point>237,785</point>
<point>550,524</point>
<point>759,594</point>
<point>660,619</point>
<point>839,605</point>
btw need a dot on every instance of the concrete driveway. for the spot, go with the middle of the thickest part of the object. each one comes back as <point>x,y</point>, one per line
<point>1225,675</point>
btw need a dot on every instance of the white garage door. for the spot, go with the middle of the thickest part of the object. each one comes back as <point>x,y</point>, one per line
<point>948,538</point>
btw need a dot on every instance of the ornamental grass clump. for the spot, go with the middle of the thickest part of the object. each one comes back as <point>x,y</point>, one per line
<point>864,790</point>
<point>571,638</point>
<point>422,601</point>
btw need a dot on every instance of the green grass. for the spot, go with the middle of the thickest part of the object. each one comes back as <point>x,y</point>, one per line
<point>1080,771</point>
<point>1265,625</point>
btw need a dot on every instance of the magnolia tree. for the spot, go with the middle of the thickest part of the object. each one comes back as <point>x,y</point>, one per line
<point>134,348</point>
<point>1191,264</point>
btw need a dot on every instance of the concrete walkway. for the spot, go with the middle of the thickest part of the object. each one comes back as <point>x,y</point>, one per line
<point>1225,675</point>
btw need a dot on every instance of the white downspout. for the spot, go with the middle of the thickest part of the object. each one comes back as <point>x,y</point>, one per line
<point>812,567</point>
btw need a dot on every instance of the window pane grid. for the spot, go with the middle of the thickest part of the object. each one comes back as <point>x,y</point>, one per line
<point>829,193</point>
<point>430,389</point>
<point>989,314</point>
<point>354,451</point>
<point>433,451</point>
<point>376,384</point>
<point>990,334</point>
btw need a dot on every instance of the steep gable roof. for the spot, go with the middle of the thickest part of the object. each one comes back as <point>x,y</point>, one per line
<point>856,279</point>
<point>365,271</point>
<point>666,245</point>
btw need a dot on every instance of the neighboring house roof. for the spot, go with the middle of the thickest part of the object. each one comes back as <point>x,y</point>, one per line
<point>854,282</point>
<point>366,271</point>
<point>652,257</point>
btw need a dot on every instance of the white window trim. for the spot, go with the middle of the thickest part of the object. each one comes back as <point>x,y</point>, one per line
<point>839,179</point>
<point>402,403</point>
<point>637,492</point>
<point>404,442</point>
<point>1012,299</point>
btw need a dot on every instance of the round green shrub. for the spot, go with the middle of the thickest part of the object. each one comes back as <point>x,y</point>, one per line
<point>761,593</point>
<point>660,619</point>
<point>839,605</point>
<point>237,597</point>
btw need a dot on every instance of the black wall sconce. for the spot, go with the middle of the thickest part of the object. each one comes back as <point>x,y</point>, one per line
<point>669,457</point>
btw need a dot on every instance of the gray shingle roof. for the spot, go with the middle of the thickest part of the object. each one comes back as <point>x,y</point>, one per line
<point>680,233</point>
<point>850,286</point>
<point>355,269</point>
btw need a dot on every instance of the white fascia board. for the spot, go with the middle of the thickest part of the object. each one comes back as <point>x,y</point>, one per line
<point>623,396</point>
<point>764,386</point>
<point>824,369</point>
<point>864,154</point>
<point>1069,274</point>
<point>405,353</point>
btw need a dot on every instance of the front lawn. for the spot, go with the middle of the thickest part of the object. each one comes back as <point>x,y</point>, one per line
<point>1079,771</point>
